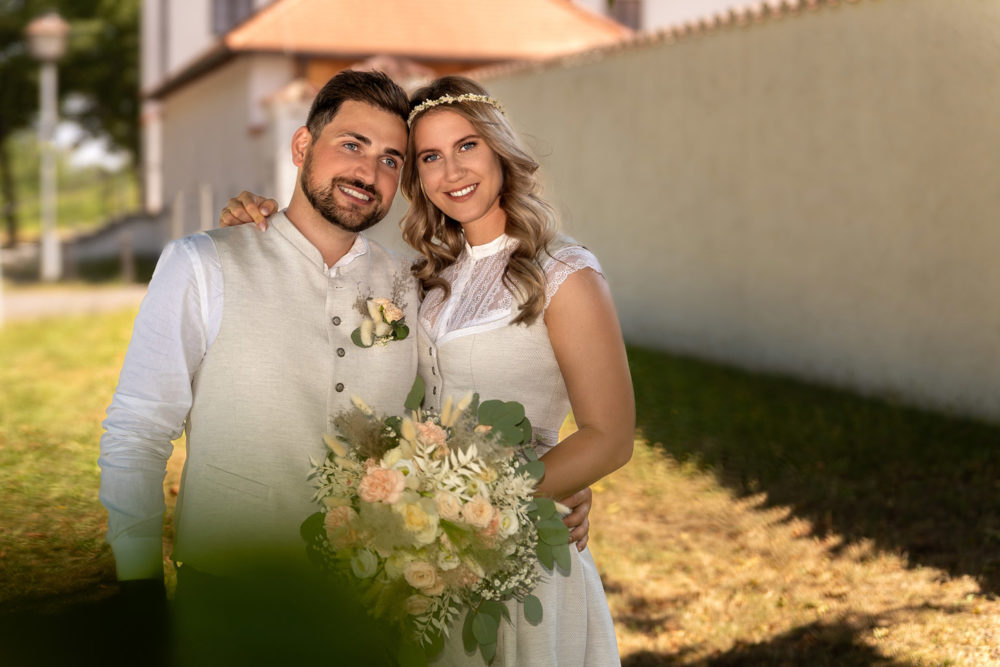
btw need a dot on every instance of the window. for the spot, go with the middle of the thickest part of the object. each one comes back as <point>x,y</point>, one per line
<point>627,12</point>
<point>227,13</point>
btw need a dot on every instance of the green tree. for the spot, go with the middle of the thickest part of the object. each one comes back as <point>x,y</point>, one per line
<point>101,67</point>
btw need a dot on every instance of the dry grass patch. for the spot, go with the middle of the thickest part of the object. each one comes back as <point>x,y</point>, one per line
<point>697,576</point>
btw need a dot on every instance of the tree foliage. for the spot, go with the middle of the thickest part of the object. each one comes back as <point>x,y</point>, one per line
<point>101,69</point>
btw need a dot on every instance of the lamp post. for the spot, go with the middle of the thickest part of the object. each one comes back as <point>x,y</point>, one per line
<point>47,41</point>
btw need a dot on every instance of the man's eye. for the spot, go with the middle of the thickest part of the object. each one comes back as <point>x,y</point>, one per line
<point>351,146</point>
<point>390,162</point>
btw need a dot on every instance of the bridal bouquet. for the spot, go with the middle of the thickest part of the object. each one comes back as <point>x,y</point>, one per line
<point>433,514</point>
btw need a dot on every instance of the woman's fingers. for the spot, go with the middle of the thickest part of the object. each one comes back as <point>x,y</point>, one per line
<point>247,207</point>
<point>577,521</point>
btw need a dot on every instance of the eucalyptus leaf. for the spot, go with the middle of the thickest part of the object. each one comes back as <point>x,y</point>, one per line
<point>553,531</point>
<point>546,507</point>
<point>535,469</point>
<point>508,433</point>
<point>526,431</point>
<point>562,557</point>
<point>495,609</point>
<point>533,609</point>
<point>312,527</point>
<point>489,652</point>
<point>356,337</point>
<point>400,331</point>
<point>484,628</point>
<point>416,395</point>
<point>545,555</point>
<point>514,411</point>
<point>468,638</point>
<point>490,412</point>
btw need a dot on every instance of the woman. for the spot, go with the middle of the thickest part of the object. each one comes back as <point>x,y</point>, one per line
<point>514,312</point>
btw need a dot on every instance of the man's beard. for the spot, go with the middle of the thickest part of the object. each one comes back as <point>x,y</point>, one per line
<point>322,199</point>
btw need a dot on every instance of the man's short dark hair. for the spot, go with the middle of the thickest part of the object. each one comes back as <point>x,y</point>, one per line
<point>374,88</point>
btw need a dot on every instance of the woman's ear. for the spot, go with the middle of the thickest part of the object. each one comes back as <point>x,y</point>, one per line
<point>301,141</point>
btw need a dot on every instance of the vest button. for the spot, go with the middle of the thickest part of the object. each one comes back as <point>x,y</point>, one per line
<point>340,352</point>
<point>435,391</point>
<point>340,386</point>
<point>336,321</point>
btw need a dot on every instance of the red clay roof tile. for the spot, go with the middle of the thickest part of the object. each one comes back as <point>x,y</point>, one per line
<point>480,30</point>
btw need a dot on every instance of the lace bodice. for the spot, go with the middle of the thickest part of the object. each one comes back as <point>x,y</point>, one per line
<point>479,299</point>
<point>468,344</point>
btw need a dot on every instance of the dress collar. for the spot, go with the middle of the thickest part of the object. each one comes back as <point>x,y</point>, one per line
<point>502,242</point>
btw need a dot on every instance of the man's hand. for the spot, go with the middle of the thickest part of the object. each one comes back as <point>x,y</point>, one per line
<point>578,520</point>
<point>247,207</point>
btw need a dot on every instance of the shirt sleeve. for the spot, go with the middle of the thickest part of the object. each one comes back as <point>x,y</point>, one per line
<point>176,323</point>
<point>563,263</point>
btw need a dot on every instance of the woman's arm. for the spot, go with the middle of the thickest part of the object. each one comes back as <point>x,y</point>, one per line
<point>247,207</point>
<point>587,341</point>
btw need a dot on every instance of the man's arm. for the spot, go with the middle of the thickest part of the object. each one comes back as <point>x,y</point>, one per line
<point>169,339</point>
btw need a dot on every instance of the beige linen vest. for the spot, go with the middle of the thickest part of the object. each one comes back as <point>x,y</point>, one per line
<point>282,366</point>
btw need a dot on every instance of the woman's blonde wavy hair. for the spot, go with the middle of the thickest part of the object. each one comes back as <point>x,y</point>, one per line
<point>530,220</point>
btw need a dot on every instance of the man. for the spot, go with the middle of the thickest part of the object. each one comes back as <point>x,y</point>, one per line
<point>244,339</point>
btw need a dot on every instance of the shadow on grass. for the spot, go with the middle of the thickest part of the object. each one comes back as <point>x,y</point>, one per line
<point>91,271</point>
<point>816,645</point>
<point>909,480</point>
<point>257,622</point>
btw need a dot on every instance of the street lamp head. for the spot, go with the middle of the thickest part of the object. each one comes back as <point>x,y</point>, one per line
<point>47,37</point>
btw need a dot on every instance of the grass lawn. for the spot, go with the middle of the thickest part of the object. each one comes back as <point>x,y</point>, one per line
<point>56,378</point>
<point>761,521</point>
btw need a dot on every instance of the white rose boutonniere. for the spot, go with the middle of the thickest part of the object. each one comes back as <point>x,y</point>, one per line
<point>385,322</point>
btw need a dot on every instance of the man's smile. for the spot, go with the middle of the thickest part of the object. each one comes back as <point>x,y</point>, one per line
<point>354,193</point>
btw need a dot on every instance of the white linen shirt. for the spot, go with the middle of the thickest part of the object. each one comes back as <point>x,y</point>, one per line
<point>177,322</point>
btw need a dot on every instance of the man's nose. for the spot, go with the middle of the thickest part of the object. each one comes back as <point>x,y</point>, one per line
<point>365,171</point>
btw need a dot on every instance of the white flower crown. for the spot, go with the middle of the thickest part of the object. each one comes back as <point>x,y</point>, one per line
<point>453,99</point>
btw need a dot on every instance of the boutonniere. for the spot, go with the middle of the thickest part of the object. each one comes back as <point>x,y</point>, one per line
<point>385,322</point>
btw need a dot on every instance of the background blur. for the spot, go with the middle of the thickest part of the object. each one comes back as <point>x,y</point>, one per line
<point>795,205</point>
<point>805,187</point>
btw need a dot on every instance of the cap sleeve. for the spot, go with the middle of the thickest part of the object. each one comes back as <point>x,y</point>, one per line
<point>564,262</point>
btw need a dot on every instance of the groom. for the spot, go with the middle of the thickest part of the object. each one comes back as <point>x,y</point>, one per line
<point>244,342</point>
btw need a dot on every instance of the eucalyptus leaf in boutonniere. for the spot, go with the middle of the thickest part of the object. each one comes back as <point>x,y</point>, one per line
<point>385,322</point>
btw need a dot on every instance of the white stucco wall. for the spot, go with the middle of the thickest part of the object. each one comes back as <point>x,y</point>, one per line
<point>214,142</point>
<point>814,195</point>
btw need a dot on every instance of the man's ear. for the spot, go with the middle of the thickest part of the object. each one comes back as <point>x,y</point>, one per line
<point>301,141</point>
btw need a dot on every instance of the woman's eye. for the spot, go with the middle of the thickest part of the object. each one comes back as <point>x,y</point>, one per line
<point>431,157</point>
<point>467,146</point>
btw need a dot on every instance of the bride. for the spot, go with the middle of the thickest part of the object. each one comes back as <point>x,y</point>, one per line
<point>515,312</point>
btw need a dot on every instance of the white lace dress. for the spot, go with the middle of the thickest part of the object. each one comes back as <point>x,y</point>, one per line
<point>468,344</point>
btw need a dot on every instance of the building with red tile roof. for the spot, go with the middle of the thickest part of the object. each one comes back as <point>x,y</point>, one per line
<point>216,75</point>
